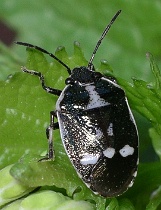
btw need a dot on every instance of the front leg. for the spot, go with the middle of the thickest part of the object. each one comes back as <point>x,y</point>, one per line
<point>49,134</point>
<point>52,126</point>
<point>41,77</point>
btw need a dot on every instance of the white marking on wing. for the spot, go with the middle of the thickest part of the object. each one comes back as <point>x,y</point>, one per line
<point>89,159</point>
<point>110,129</point>
<point>126,151</point>
<point>99,134</point>
<point>109,152</point>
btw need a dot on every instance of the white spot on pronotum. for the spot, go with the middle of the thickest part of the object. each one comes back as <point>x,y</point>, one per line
<point>126,151</point>
<point>89,159</point>
<point>110,129</point>
<point>109,152</point>
<point>95,100</point>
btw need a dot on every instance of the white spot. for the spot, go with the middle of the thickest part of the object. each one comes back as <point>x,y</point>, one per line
<point>11,111</point>
<point>46,124</point>
<point>27,151</point>
<point>4,122</point>
<point>131,184</point>
<point>87,121</point>
<point>89,159</point>
<point>23,116</point>
<point>95,100</point>
<point>126,151</point>
<point>37,122</point>
<point>77,107</point>
<point>6,150</point>
<point>99,134</point>
<point>137,161</point>
<point>109,152</point>
<point>110,129</point>
<point>135,174</point>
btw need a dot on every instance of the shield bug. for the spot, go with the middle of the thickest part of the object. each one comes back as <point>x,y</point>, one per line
<point>97,127</point>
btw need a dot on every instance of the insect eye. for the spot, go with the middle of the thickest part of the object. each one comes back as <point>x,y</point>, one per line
<point>69,81</point>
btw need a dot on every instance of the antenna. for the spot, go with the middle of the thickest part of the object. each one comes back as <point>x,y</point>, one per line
<point>102,37</point>
<point>46,52</point>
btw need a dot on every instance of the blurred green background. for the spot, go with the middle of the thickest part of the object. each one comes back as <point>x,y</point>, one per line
<point>50,24</point>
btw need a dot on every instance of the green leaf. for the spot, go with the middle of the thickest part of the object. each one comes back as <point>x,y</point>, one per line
<point>155,136</point>
<point>147,181</point>
<point>125,204</point>
<point>122,204</point>
<point>11,189</point>
<point>47,199</point>
<point>113,205</point>
<point>155,200</point>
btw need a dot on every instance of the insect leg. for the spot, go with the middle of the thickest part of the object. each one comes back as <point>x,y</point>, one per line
<point>49,134</point>
<point>41,77</point>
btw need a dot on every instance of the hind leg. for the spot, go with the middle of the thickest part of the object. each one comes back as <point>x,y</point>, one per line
<point>49,134</point>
